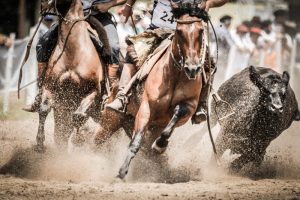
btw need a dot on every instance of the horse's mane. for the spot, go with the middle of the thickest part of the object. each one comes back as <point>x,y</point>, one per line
<point>191,9</point>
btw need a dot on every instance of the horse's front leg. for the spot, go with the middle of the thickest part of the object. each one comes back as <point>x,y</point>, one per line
<point>161,143</point>
<point>44,109</point>
<point>141,123</point>
<point>80,116</point>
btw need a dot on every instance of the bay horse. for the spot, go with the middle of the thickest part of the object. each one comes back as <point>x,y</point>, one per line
<point>72,79</point>
<point>171,92</point>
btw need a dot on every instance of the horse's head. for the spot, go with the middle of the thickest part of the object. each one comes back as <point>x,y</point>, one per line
<point>189,39</point>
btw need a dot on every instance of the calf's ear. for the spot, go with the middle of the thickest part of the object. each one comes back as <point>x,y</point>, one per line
<point>255,77</point>
<point>297,116</point>
<point>286,77</point>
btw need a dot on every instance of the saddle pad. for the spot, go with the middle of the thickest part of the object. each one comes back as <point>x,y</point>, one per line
<point>146,42</point>
<point>152,59</point>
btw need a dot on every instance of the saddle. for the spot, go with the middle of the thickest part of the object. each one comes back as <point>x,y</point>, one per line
<point>147,58</point>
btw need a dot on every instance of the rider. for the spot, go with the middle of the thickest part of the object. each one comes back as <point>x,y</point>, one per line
<point>99,13</point>
<point>162,17</point>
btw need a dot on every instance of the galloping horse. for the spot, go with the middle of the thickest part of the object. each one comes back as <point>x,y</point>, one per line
<point>171,91</point>
<point>72,79</point>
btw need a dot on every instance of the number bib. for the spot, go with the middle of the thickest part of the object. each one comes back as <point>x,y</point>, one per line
<point>162,16</point>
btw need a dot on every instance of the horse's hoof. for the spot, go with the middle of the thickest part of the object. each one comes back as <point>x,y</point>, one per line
<point>118,179</point>
<point>40,148</point>
<point>157,149</point>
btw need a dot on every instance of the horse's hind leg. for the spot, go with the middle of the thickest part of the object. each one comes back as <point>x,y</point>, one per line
<point>43,111</point>
<point>161,143</point>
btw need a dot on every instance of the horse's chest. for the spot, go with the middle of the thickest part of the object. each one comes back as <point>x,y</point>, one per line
<point>183,92</point>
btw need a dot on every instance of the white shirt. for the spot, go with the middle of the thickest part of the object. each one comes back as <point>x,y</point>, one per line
<point>162,16</point>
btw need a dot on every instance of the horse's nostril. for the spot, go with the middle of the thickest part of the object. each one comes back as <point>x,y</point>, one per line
<point>187,70</point>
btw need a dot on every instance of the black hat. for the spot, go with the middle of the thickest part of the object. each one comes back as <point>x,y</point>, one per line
<point>280,12</point>
<point>225,18</point>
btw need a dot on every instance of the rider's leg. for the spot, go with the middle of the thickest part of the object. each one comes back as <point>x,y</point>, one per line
<point>44,48</point>
<point>113,39</point>
<point>200,114</point>
<point>129,69</point>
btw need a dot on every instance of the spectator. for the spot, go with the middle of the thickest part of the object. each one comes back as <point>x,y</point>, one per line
<point>256,22</point>
<point>240,52</point>
<point>225,42</point>
<point>257,45</point>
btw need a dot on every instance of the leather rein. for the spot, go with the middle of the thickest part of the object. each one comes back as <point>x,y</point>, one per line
<point>62,18</point>
<point>43,14</point>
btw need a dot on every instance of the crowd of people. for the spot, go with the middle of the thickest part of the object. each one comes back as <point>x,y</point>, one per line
<point>266,43</point>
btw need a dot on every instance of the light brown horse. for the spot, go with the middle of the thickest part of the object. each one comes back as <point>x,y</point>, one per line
<point>171,91</point>
<point>73,76</point>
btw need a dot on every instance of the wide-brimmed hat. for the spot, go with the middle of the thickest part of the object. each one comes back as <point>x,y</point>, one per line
<point>255,30</point>
<point>280,12</point>
<point>225,18</point>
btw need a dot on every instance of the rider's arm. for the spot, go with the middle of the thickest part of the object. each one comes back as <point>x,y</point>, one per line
<point>214,3</point>
<point>127,10</point>
<point>104,7</point>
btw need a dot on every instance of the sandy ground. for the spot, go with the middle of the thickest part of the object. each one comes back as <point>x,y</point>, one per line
<point>88,174</point>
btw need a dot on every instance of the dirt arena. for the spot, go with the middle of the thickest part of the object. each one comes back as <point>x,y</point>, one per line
<point>89,174</point>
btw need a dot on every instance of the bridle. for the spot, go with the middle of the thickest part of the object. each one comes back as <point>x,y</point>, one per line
<point>180,64</point>
<point>74,21</point>
<point>62,18</point>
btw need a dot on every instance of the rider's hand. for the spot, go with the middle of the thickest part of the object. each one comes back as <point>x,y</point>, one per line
<point>126,12</point>
<point>205,5</point>
<point>102,7</point>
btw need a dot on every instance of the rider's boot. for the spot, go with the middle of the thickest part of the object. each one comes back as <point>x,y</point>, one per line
<point>113,74</point>
<point>121,100</point>
<point>200,114</point>
<point>201,111</point>
<point>34,107</point>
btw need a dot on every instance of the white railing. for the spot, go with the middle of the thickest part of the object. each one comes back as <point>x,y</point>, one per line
<point>11,59</point>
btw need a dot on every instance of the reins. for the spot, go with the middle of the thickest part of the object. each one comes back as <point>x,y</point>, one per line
<point>28,48</point>
<point>206,48</point>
